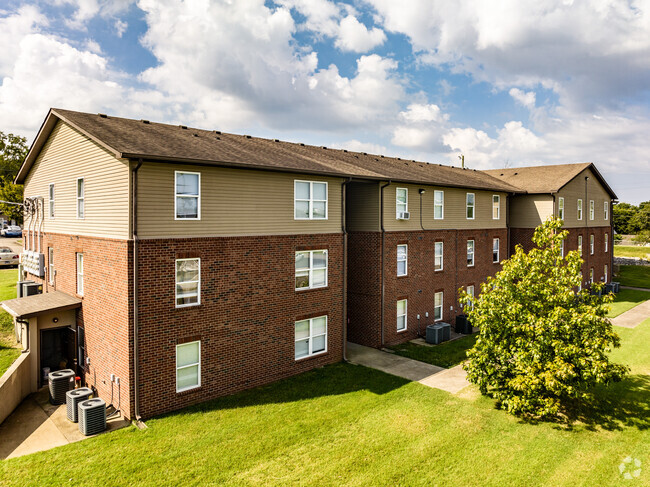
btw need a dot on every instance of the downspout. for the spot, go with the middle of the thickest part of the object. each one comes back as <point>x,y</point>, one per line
<point>610,243</point>
<point>383,244</point>
<point>134,216</point>
<point>587,214</point>
<point>345,267</point>
<point>508,225</point>
<point>26,323</point>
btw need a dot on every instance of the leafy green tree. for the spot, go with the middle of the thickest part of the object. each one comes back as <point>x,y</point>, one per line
<point>542,345</point>
<point>641,219</point>
<point>642,238</point>
<point>13,150</point>
<point>622,214</point>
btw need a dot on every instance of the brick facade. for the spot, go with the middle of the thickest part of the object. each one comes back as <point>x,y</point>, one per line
<point>419,285</point>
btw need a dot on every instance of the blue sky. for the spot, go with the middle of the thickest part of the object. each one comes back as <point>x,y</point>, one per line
<point>508,83</point>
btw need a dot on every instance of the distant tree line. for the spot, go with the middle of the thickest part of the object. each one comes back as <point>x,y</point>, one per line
<point>13,149</point>
<point>632,220</point>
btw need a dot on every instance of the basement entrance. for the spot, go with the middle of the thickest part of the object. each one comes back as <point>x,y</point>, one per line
<point>57,351</point>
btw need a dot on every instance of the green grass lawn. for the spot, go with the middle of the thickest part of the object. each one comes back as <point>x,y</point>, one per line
<point>627,299</point>
<point>446,355</point>
<point>634,276</point>
<point>349,425</point>
<point>9,350</point>
<point>631,251</point>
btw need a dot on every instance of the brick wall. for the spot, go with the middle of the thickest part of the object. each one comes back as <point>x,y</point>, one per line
<point>245,320</point>
<point>421,282</point>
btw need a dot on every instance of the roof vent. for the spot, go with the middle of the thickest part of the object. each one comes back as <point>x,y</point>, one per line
<point>516,173</point>
<point>144,121</point>
<point>365,153</point>
<point>323,147</point>
<point>218,138</point>
<point>302,144</point>
<point>382,156</point>
<point>345,150</point>
<point>195,135</point>
<point>103,115</point>
<point>217,132</point>
<point>399,158</point>
<point>276,140</point>
<point>184,127</point>
<point>501,174</point>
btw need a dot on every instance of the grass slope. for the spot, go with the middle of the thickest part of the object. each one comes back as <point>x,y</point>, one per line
<point>9,350</point>
<point>348,425</point>
<point>631,251</point>
<point>634,276</point>
<point>445,355</point>
<point>627,299</point>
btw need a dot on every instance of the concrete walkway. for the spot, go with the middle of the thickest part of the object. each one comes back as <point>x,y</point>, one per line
<point>451,380</point>
<point>36,425</point>
<point>633,317</point>
<point>636,288</point>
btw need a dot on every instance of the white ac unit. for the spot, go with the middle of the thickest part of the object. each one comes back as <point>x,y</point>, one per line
<point>403,215</point>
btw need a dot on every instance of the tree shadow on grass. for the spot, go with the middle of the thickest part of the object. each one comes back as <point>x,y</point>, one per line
<point>331,380</point>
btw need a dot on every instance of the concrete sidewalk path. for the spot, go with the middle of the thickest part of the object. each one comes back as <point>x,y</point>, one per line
<point>451,380</point>
<point>636,288</point>
<point>633,317</point>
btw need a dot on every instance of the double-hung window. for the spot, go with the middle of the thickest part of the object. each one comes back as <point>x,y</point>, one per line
<point>311,269</point>
<point>470,293</point>
<point>188,282</point>
<point>591,244</point>
<point>438,257</point>
<point>401,314</point>
<point>591,275</point>
<point>606,274</point>
<point>80,198</point>
<point>592,210</point>
<point>606,210</point>
<point>80,273</point>
<point>470,203</point>
<point>402,260</point>
<point>188,196</point>
<point>495,250</point>
<point>438,205</point>
<point>562,248</point>
<point>50,263</point>
<point>310,200</point>
<point>188,366</point>
<point>470,253</point>
<point>560,208</point>
<point>51,201</point>
<point>580,245</point>
<point>310,337</point>
<point>401,201</point>
<point>606,241</point>
<point>496,206</point>
<point>579,209</point>
<point>437,306</point>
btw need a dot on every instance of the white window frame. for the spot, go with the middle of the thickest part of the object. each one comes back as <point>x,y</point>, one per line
<point>310,348</point>
<point>473,253</point>
<point>197,196</point>
<point>591,275</point>
<point>310,270</point>
<point>560,208</point>
<point>496,249</point>
<point>562,248</point>
<point>405,259</point>
<point>592,210</point>
<point>606,210</point>
<point>440,205</point>
<point>176,283</point>
<point>592,244</point>
<point>51,200</point>
<point>470,292</point>
<point>468,206</point>
<point>50,265</point>
<point>606,242</point>
<point>579,209</point>
<point>496,200</point>
<point>436,246</point>
<point>311,200</point>
<point>580,245</point>
<point>81,199</point>
<point>187,366</point>
<point>606,271</point>
<point>398,204</point>
<point>405,315</point>
<point>440,306</point>
<point>80,273</point>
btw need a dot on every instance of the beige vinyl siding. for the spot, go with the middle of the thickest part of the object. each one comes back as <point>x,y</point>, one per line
<point>362,211</point>
<point>575,190</point>
<point>454,209</point>
<point>233,202</point>
<point>66,156</point>
<point>529,211</point>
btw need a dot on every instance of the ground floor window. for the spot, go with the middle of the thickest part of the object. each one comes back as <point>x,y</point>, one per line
<point>470,292</point>
<point>310,336</point>
<point>401,314</point>
<point>437,306</point>
<point>605,274</point>
<point>188,366</point>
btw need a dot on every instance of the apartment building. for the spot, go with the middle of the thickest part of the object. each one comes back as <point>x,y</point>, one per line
<point>193,264</point>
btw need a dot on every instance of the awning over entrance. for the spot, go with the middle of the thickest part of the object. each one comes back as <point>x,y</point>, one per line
<point>30,306</point>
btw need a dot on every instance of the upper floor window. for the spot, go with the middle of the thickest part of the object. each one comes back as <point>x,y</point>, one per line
<point>606,210</point>
<point>470,203</point>
<point>310,337</point>
<point>470,253</point>
<point>496,206</point>
<point>437,306</point>
<point>401,200</point>
<point>579,209</point>
<point>438,259</point>
<point>606,241</point>
<point>495,250</point>
<point>50,262</point>
<point>51,201</point>
<point>591,244</point>
<point>438,205</point>
<point>188,366</point>
<point>562,248</point>
<point>188,196</point>
<point>188,282</point>
<point>311,269</point>
<point>560,208</point>
<point>580,245</point>
<point>80,197</point>
<point>310,200</point>
<point>80,274</point>
<point>401,314</point>
<point>402,260</point>
<point>592,210</point>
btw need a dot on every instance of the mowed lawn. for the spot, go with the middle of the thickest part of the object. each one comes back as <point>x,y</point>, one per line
<point>631,251</point>
<point>627,299</point>
<point>349,425</point>
<point>634,276</point>
<point>8,348</point>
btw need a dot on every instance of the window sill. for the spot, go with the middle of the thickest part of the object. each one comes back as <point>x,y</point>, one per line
<point>438,270</point>
<point>402,331</point>
<point>188,391</point>
<point>402,275</point>
<point>186,306</point>
<point>313,355</point>
<point>307,289</point>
